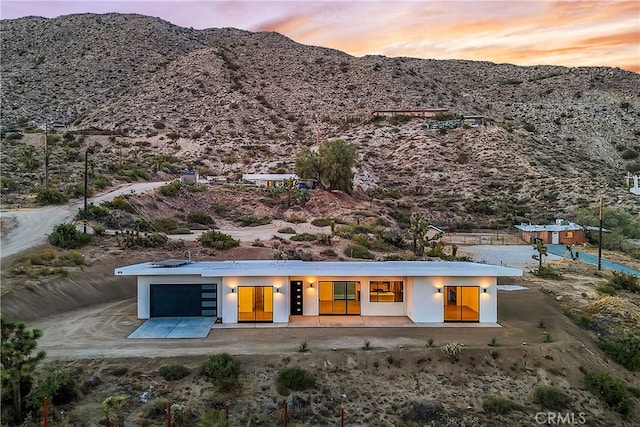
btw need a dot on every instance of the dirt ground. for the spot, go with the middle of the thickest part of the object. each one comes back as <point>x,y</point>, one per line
<point>374,387</point>
<point>87,313</point>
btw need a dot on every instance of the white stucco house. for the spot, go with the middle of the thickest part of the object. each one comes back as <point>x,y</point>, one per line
<point>268,179</point>
<point>272,291</point>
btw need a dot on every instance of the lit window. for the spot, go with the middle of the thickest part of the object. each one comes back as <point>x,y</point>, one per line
<point>569,235</point>
<point>386,291</point>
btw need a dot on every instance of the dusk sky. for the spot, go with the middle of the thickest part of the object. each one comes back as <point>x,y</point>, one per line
<point>522,32</point>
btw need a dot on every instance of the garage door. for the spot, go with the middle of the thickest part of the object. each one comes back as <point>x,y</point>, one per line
<point>184,300</point>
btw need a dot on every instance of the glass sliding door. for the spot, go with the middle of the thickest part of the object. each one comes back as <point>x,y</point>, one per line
<point>339,297</point>
<point>461,303</point>
<point>255,303</point>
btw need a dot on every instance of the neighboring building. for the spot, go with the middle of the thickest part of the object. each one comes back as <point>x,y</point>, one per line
<point>189,177</point>
<point>428,112</point>
<point>268,179</point>
<point>472,121</point>
<point>271,291</point>
<point>636,188</point>
<point>434,231</point>
<point>561,233</point>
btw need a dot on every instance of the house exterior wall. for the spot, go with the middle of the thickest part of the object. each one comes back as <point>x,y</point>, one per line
<point>280,299</point>
<point>426,304</point>
<point>145,282</point>
<point>422,302</point>
<point>564,238</point>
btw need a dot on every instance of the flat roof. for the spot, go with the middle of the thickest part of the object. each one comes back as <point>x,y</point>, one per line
<point>252,268</point>
<point>549,227</point>
<point>269,176</point>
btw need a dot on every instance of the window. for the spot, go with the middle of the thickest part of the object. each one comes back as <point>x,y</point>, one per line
<point>569,235</point>
<point>386,291</point>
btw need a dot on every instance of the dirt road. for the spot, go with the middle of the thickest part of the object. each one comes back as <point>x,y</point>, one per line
<point>25,228</point>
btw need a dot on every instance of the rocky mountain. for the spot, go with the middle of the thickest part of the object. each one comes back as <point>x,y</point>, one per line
<point>228,101</point>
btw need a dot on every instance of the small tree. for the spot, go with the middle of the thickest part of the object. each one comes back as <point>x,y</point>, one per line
<point>330,166</point>
<point>68,237</point>
<point>418,228</point>
<point>17,362</point>
<point>112,408</point>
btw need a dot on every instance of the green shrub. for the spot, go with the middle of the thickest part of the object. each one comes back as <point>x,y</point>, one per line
<point>329,253</point>
<point>304,237</point>
<point>170,190</point>
<point>117,371</point>
<point>358,251</point>
<point>199,217</point>
<point>120,203</point>
<point>624,281</point>
<point>165,224</point>
<point>296,219</point>
<point>612,391</point>
<point>607,289</point>
<point>222,370</point>
<point>295,378</point>
<point>214,418</point>
<point>98,229</point>
<point>321,222</point>
<point>287,230</point>
<point>174,372</point>
<point>68,237</point>
<point>252,221</point>
<point>497,405</point>
<point>52,196</point>
<point>72,258</point>
<point>547,272</point>
<point>624,350</point>
<point>217,240</point>
<point>452,351</point>
<point>550,397</point>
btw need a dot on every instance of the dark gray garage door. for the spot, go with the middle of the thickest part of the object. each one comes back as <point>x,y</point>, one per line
<point>184,300</point>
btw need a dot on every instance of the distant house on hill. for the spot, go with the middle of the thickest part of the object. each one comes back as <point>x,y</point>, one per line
<point>428,112</point>
<point>268,179</point>
<point>561,233</point>
<point>189,177</point>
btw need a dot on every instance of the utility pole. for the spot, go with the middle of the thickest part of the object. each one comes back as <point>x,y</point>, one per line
<point>600,239</point>
<point>86,162</point>
<point>46,158</point>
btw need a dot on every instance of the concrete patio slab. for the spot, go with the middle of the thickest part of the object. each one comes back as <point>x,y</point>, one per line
<point>174,327</point>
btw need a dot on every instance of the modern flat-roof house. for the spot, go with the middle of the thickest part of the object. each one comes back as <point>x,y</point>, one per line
<point>268,179</point>
<point>427,112</point>
<point>272,291</point>
<point>561,233</point>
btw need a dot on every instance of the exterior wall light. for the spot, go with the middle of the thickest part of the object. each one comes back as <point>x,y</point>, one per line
<point>311,285</point>
<point>233,290</point>
<point>439,290</point>
<point>277,290</point>
<point>484,290</point>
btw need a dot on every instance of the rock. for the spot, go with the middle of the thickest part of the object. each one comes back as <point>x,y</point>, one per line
<point>91,382</point>
<point>559,298</point>
<point>524,343</point>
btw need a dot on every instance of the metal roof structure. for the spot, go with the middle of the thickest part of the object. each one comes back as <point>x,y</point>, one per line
<point>550,227</point>
<point>268,176</point>
<point>252,268</point>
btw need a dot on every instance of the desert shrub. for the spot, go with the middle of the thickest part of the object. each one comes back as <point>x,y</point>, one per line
<point>165,224</point>
<point>550,397</point>
<point>99,229</point>
<point>329,253</point>
<point>253,221</point>
<point>612,391</point>
<point>119,203</point>
<point>170,190</point>
<point>422,412</point>
<point>296,219</point>
<point>358,251</point>
<point>117,371</point>
<point>181,415</point>
<point>497,405</point>
<point>629,154</point>
<point>624,350</point>
<point>52,196</point>
<point>158,125</point>
<point>174,372</point>
<point>68,237</point>
<point>217,240</point>
<point>304,237</point>
<point>547,272</point>
<point>214,418</point>
<point>607,289</point>
<point>321,222</point>
<point>452,351</point>
<point>529,127</point>
<point>287,230</point>
<point>72,258</point>
<point>199,217</point>
<point>624,281</point>
<point>295,378</point>
<point>222,370</point>
<point>101,182</point>
<point>157,408</point>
